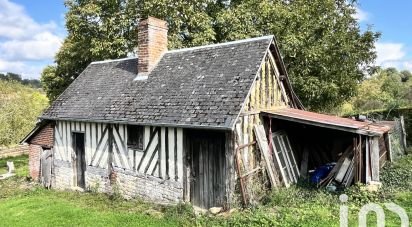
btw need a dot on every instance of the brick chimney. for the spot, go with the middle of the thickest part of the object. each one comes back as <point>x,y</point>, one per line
<point>152,38</point>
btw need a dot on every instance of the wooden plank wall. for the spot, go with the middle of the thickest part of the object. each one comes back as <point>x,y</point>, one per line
<point>267,93</point>
<point>162,155</point>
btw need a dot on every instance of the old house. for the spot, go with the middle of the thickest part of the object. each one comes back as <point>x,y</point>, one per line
<point>179,125</point>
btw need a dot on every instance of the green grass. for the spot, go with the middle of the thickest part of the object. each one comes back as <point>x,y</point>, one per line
<point>22,203</point>
<point>20,164</point>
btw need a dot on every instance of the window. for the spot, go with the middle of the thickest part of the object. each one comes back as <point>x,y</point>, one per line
<point>135,137</point>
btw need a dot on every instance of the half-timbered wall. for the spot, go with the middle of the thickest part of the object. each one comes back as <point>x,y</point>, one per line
<point>267,93</point>
<point>161,159</point>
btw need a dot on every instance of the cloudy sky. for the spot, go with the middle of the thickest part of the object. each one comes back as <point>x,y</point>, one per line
<point>32,31</point>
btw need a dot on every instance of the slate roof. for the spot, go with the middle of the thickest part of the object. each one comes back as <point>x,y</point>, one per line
<point>195,87</point>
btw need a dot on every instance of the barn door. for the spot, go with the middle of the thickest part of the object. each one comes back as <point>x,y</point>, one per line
<point>46,164</point>
<point>207,163</point>
<point>80,161</point>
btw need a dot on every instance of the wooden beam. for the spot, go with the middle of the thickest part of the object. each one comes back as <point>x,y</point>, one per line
<point>304,163</point>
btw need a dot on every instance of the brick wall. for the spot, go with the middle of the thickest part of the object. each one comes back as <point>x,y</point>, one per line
<point>14,151</point>
<point>43,138</point>
<point>34,161</point>
<point>152,39</point>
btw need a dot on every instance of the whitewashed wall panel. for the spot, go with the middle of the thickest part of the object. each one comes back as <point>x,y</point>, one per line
<point>161,157</point>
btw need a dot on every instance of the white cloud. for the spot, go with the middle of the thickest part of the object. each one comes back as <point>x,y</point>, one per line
<point>23,68</point>
<point>41,46</point>
<point>24,42</point>
<point>388,52</point>
<point>361,15</point>
<point>392,55</point>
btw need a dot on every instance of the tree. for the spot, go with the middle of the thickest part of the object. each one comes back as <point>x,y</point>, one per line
<point>19,108</point>
<point>17,78</point>
<point>326,54</point>
<point>383,90</point>
<point>406,75</point>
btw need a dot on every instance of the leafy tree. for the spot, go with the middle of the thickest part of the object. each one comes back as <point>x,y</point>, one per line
<point>322,45</point>
<point>19,108</point>
<point>386,89</point>
<point>406,75</point>
<point>16,77</point>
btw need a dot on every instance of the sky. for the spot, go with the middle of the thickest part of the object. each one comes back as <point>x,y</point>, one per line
<point>31,32</point>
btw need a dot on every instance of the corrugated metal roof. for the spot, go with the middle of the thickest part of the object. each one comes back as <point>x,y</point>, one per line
<point>328,121</point>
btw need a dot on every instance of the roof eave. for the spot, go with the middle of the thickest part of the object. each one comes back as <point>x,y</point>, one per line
<point>188,126</point>
<point>355,130</point>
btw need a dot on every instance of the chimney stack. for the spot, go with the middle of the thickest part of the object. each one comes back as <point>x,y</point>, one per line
<point>152,38</point>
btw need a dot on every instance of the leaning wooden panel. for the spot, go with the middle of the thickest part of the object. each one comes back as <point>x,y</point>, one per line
<point>264,148</point>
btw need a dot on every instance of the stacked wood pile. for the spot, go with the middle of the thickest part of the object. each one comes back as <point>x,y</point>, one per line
<point>347,168</point>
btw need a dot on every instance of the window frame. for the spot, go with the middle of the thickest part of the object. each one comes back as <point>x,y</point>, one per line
<point>139,129</point>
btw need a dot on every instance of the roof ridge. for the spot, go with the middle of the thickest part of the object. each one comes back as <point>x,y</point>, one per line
<point>113,60</point>
<point>221,44</point>
<point>192,48</point>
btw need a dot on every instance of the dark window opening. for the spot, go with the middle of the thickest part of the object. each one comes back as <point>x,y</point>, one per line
<point>135,137</point>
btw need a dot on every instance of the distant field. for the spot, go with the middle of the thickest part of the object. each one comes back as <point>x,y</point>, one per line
<point>22,203</point>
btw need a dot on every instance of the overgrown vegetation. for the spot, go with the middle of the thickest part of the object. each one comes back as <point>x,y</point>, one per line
<point>24,204</point>
<point>386,89</point>
<point>35,83</point>
<point>326,54</point>
<point>20,106</point>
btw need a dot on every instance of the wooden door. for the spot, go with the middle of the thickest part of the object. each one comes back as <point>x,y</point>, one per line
<point>207,163</point>
<point>46,167</point>
<point>80,161</point>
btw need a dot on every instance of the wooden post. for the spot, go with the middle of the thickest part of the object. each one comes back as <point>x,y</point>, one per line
<point>403,134</point>
<point>110,150</point>
<point>230,173</point>
<point>304,164</point>
<point>186,168</point>
<point>375,158</point>
<point>367,161</point>
<point>388,145</point>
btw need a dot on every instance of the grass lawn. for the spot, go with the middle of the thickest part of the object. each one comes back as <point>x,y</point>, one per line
<point>23,203</point>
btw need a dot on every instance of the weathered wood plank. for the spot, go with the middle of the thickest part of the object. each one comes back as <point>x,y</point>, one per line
<point>342,170</point>
<point>375,158</point>
<point>171,152</point>
<point>304,163</point>
<point>179,149</point>
<point>163,153</point>
<point>264,148</point>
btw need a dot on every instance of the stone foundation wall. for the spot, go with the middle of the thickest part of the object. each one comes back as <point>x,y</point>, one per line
<point>132,184</point>
<point>97,179</point>
<point>129,184</point>
<point>63,174</point>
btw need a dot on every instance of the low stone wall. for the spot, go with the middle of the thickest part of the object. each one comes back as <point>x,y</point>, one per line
<point>14,151</point>
<point>132,184</point>
<point>97,179</point>
<point>63,175</point>
<point>129,184</point>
